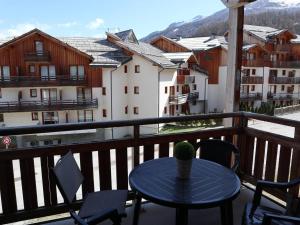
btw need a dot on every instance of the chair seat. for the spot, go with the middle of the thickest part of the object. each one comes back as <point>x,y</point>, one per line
<point>259,214</point>
<point>97,202</point>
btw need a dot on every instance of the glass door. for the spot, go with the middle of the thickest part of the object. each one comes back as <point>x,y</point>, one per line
<point>52,74</point>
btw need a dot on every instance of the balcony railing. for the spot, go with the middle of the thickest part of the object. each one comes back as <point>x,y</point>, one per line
<point>281,163</point>
<point>283,96</point>
<point>183,98</point>
<point>182,79</point>
<point>252,80</point>
<point>251,96</point>
<point>283,47</point>
<point>254,63</point>
<point>285,64</point>
<point>272,64</point>
<point>35,81</point>
<point>183,72</point>
<point>53,105</point>
<point>43,56</point>
<point>284,80</point>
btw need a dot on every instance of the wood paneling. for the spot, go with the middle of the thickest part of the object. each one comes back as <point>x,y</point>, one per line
<point>61,56</point>
<point>168,45</point>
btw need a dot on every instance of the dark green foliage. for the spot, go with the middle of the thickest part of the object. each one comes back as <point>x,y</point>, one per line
<point>184,151</point>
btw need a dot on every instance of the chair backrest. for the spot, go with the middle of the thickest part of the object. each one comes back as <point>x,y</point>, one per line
<point>218,151</point>
<point>68,177</point>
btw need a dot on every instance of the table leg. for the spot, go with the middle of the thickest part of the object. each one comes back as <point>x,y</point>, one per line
<point>227,213</point>
<point>137,207</point>
<point>182,216</point>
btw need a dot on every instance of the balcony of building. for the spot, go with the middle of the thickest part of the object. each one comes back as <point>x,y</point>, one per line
<point>183,98</point>
<point>250,97</point>
<point>285,64</point>
<point>183,71</point>
<point>284,80</point>
<point>254,62</point>
<point>282,47</point>
<point>252,80</point>
<point>283,96</point>
<point>35,81</point>
<point>47,105</point>
<point>37,56</point>
<point>28,190</point>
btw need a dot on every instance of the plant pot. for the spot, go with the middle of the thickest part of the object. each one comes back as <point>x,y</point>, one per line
<point>184,168</point>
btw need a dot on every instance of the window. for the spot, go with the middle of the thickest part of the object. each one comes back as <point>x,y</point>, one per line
<point>84,94</point>
<point>194,87</point>
<point>85,116</point>
<point>33,93</point>
<point>104,112</point>
<point>48,73</point>
<point>253,71</point>
<point>166,90</point>
<point>137,69</point>
<point>247,72</point>
<point>50,117</point>
<point>49,94</point>
<point>77,72</point>
<point>126,109</point>
<point>35,116</point>
<point>126,89</point>
<point>1,118</point>
<point>136,90</point>
<point>103,91</point>
<point>125,69</point>
<point>283,72</point>
<point>31,69</point>
<point>252,87</point>
<point>282,87</point>
<point>5,72</point>
<point>177,88</point>
<point>136,110</point>
<point>39,47</point>
<point>0,93</point>
<point>165,110</point>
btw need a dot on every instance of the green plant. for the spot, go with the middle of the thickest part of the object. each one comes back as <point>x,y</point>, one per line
<point>184,151</point>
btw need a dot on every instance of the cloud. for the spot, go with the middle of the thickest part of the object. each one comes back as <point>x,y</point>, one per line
<point>95,23</point>
<point>67,24</point>
<point>22,28</point>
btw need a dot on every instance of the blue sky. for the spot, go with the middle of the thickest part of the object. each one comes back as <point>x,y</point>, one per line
<point>94,17</point>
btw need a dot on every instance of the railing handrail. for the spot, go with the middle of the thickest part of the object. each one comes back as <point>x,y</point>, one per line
<point>42,78</point>
<point>138,122</point>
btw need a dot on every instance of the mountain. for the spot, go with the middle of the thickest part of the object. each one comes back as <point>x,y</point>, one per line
<point>282,14</point>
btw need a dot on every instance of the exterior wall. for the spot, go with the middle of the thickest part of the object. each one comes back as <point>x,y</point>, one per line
<point>168,45</point>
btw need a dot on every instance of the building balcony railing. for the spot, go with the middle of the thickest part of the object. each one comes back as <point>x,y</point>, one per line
<point>185,79</point>
<point>285,64</point>
<point>284,80</point>
<point>183,98</point>
<point>35,81</point>
<point>39,195</point>
<point>254,63</point>
<point>282,47</point>
<point>252,80</point>
<point>53,105</point>
<point>272,64</point>
<point>283,96</point>
<point>250,97</point>
<point>43,56</point>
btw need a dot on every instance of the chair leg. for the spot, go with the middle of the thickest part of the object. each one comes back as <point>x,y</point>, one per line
<point>117,220</point>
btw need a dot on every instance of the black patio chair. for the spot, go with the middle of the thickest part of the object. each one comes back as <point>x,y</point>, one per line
<point>256,214</point>
<point>220,152</point>
<point>97,206</point>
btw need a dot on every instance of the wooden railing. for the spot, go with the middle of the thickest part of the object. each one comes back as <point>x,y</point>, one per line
<point>259,153</point>
<point>251,96</point>
<point>284,80</point>
<point>252,80</point>
<point>36,81</point>
<point>38,56</point>
<point>46,105</point>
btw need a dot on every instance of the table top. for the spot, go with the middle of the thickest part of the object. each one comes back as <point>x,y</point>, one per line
<point>210,184</point>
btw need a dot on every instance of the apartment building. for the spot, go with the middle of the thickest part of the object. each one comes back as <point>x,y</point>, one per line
<point>48,80</point>
<point>271,65</point>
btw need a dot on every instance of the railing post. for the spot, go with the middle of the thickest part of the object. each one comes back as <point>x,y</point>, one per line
<point>241,140</point>
<point>136,147</point>
<point>295,168</point>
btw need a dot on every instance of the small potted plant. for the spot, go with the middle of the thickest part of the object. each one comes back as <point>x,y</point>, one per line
<point>184,152</point>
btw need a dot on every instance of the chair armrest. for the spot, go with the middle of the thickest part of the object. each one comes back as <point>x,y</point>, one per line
<point>77,218</point>
<point>261,185</point>
<point>269,217</point>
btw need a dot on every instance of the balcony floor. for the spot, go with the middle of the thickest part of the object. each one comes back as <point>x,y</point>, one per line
<point>159,215</point>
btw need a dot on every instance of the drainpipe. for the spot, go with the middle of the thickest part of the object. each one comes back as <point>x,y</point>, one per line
<point>158,94</point>
<point>111,100</point>
<point>205,95</point>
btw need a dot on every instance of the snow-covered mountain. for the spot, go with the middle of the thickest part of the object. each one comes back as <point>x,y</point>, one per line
<point>274,13</point>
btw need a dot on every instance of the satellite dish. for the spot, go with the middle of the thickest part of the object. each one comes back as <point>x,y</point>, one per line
<point>236,3</point>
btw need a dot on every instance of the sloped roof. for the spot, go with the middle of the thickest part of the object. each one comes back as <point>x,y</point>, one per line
<point>104,52</point>
<point>178,56</point>
<point>173,41</point>
<point>296,40</point>
<point>127,36</point>
<point>248,47</point>
<point>202,43</point>
<point>264,33</point>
